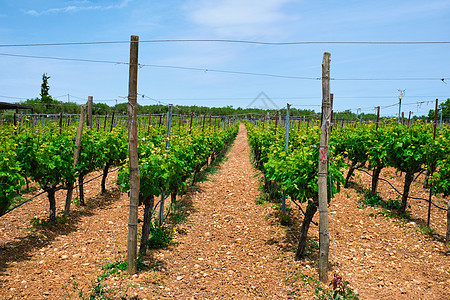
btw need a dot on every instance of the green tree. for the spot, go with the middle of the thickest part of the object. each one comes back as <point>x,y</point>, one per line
<point>45,97</point>
<point>443,107</point>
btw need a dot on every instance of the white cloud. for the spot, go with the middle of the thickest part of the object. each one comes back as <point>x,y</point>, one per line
<point>77,7</point>
<point>239,17</point>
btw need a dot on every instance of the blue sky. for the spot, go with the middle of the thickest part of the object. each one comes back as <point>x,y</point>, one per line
<point>51,21</point>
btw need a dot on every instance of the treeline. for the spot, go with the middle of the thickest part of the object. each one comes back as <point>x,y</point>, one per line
<point>56,107</point>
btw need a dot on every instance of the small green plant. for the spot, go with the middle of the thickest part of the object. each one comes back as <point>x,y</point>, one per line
<point>42,223</point>
<point>77,202</point>
<point>262,199</point>
<point>377,201</point>
<point>98,289</point>
<point>314,245</point>
<point>337,289</point>
<point>113,268</point>
<point>392,204</point>
<point>97,292</point>
<point>160,237</point>
<point>427,230</point>
<point>284,219</point>
<point>373,200</point>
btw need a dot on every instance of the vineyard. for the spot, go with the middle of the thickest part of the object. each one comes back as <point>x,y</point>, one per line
<point>383,175</point>
<point>45,155</point>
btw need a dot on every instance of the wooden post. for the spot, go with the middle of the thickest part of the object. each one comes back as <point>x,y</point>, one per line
<point>432,166</point>
<point>324,239</point>
<point>378,116</point>
<point>403,118</point>
<point>435,119</point>
<point>133,157</point>
<point>169,126</point>
<point>331,117</point>
<point>286,147</point>
<point>203,123</point>
<point>89,111</point>
<point>190,124</point>
<point>276,122</point>
<point>76,154</point>
<point>447,238</point>
<point>161,204</point>
<point>60,122</point>
<point>112,120</point>
<point>286,136</point>
<point>409,119</point>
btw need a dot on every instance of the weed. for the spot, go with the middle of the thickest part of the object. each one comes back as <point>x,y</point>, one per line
<point>77,202</point>
<point>262,199</point>
<point>393,204</point>
<point>160,237</point>
<point>284,219</point>
<point>377,201</point>
<point>43,223</point>
<point>314,245</point>
<point>337,289</point>
<point>427,230</point>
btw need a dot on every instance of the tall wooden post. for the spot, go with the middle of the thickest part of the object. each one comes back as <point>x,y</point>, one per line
<point>133,157</point>
<point>89,111</point>
<point>169,126</point>
<point>324,238</point>
<point>447,236</point>
<point>276,121</point>
<point>76,154</point>
<point>190,124</point>
<point>60,122</point>
<point>378,116</point>
<point>112,120</point>
<point>432,166</point>
<point>331,113</point>
<point>286,147</point>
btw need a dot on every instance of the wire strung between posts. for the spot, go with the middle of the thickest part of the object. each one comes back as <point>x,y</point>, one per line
<point>224,71</point>
<point>28,200</point>
<point>415,198</point>
<point>66,59</point>
<point>230,41</point>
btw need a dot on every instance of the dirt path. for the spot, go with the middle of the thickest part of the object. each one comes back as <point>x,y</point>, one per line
<point>225,253</point>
